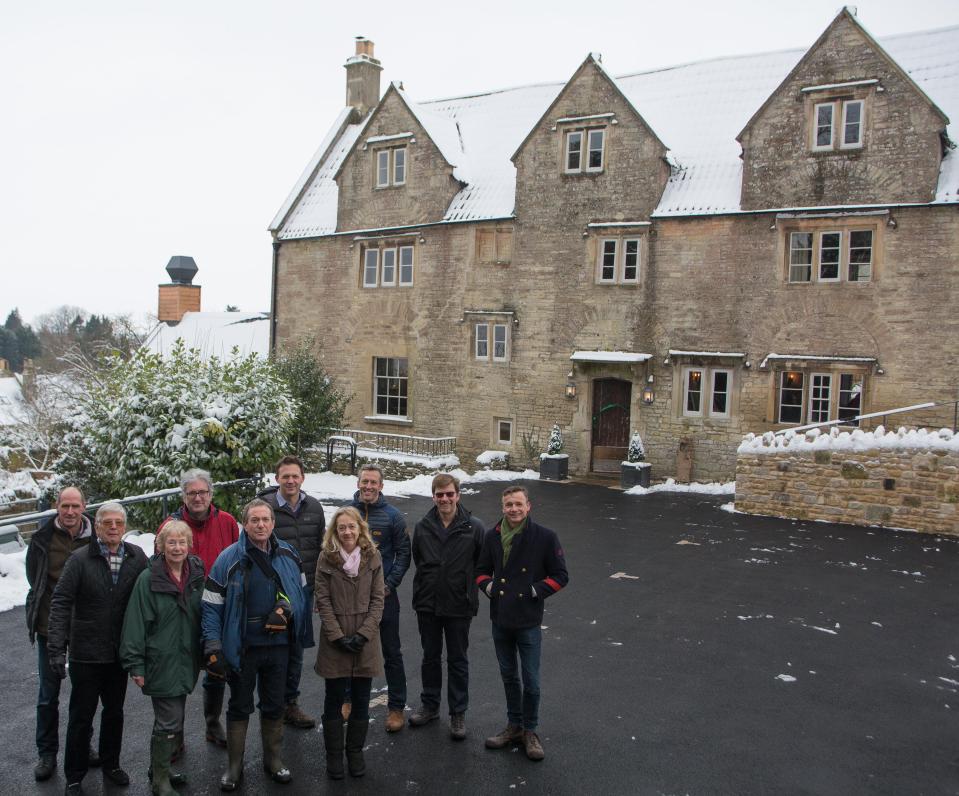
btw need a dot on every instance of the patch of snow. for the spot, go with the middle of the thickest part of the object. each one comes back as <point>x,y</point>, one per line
<point>858,440</point>
<point>13,580</point>
<point>17,483</point>
<point>786,678</point>
<point>622,576</point>
<point>822,629</point>
<point>670,485</point>
<point>609,356</point>
<point>334,486</point>
<point>489,457</point>
<point>731,508</point>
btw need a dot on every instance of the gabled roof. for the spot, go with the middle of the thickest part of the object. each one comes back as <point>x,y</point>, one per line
<point>592,60</point>
<point>845,16</point>
<point>695,109</point>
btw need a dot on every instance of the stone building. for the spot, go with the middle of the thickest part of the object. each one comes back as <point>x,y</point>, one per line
<point>742,244</point>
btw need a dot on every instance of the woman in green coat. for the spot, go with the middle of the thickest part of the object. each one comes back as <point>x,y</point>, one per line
<point>160,645</point>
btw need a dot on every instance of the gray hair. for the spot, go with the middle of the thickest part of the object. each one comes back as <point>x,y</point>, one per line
<point>372,468</point>
<point>196,474</point>
<point>253,504</point>
<point>112,507</point>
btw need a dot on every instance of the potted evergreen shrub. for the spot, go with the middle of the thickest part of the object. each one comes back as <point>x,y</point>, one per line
<point>635,471</point>
<point>554,464</point>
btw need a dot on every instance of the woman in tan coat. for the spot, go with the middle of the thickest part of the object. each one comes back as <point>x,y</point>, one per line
<point>349,599</point>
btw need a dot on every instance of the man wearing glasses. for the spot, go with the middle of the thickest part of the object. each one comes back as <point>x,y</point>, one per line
<point>213,531</point>
<point>446,546</point>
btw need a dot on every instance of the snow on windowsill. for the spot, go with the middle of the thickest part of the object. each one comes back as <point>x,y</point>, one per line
<point>393,419</point>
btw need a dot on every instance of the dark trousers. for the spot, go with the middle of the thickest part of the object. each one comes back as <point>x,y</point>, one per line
<point>336,690</point>
<point>392,653</point>
<point>522,697</point>
<point>91,683</point>
<point>262,669</point>
<point>48,703</point>
<point>456,631</point>
<point>294,667</point>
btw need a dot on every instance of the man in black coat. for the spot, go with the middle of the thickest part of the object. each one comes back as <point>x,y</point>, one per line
<point>86,618</point>
<point>522,564</point>
<point>446,547</point>
<point>50,547</point>
<point>299,521</point>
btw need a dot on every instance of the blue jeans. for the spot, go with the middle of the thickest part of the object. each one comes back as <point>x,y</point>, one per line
<point>392,653</point>
<point>522,698</point>
<point>263,669</point>
<point>48,703</point>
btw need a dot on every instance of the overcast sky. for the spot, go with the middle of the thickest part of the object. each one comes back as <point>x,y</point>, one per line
<point>134,131</point>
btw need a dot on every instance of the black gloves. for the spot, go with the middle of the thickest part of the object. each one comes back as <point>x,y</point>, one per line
<point>352,644</point>
<point>58,665</point>
<point>278,620</point>
<point>215,665</point>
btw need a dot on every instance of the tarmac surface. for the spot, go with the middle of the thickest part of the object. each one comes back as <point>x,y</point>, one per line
<point>695,651</point>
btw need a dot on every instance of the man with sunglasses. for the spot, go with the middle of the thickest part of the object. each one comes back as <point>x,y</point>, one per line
<point>446,546</point>
<point>213,531</point>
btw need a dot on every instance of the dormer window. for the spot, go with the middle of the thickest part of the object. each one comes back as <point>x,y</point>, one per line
<point>838,124</point>
<point>390,167</point>
<point>585,151</point>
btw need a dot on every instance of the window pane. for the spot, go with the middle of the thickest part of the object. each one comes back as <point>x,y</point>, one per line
<point>607,271</point>
<point>790,397</point>
<point>370,264</point>
<point>401,370</point>
<point>383,167</point>
<point>852,127</point>
<point>829,255</point>
<point>399,165</point>
<point>596,138</point>
<point>499,341</point>
<point>380,366</point>
<point>406,265</point>
<point>824,125</point>
<point>860,255</point>
<point>505,431</point>
<point>631,261</point>
<point>389,266</point>
<point>800,257</point>
<point>574,151</point>
<point>819,390</point>
<point>694,391</point>
<point>482,341</point>
<point>850,398</point>
<point>720,401</point>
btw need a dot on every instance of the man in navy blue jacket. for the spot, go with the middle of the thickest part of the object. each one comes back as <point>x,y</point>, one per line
<point>521,564</point>
<point>388,529</point>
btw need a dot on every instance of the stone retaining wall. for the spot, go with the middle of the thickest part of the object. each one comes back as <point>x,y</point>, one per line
<point>902,488</point>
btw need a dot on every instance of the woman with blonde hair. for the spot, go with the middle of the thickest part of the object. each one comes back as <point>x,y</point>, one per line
<point>349,599</point>
<point>160,644</point>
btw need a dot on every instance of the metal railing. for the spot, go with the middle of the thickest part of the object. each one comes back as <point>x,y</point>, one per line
<point>162,495</point>
<point>406,444</point>
<point>884,414</point>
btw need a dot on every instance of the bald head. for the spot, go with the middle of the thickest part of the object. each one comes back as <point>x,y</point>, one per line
<point>70,506</point>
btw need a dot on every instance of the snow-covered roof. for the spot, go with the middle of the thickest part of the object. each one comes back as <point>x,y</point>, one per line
<point>609,356</point>
<point>11,396</point>
<point>696,109</point>
<point>215,333</point>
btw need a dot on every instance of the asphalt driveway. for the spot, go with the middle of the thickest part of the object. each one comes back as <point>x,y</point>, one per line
<point>695,651</point>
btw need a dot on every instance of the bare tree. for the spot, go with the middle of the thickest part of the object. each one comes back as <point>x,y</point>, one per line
<point>38,425</point>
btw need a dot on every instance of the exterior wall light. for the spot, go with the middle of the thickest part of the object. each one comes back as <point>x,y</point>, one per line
<point>648,394</point>
<point>570,386</point>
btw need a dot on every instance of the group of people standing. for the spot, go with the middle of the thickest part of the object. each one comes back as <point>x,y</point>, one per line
<point>238,603</point>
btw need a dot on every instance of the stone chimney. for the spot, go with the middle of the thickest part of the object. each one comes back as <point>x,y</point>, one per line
<point>362,78</point>
<point>180,295</point>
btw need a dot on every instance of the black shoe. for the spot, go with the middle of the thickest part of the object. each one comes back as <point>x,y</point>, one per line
<point>74,789</point>
<point>45,767</point>
<point>117,776</point>
<point>458,726</point>
<point>93,758</point>
<point>423,715</point>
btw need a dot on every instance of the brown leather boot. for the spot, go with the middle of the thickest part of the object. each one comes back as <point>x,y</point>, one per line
<point>512,734</point>
<point>534,749</point>
<point>295,717</point>
<point>394,721</point>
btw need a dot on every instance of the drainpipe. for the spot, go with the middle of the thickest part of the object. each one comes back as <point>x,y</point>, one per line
<point>276,253</point>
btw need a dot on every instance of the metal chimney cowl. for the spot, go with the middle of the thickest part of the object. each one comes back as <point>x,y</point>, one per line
<point>181,269</point>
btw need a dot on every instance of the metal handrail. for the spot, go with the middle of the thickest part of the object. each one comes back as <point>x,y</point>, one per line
<point>162,495</point>
<point>884,413</point>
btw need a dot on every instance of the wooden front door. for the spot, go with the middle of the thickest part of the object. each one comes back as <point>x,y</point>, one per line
<point>611,400</point>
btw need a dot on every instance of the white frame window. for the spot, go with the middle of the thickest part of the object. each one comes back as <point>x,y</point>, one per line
<point>854,125</point>
<point>830,255</point>
<point>371,267</point>
<point>481,341</point>
<point>707,392</point>
<point>849,401</point>
<point>820,397</point>
<point>823,128</point>
<point>619,261</point>
<point>584,150</point>
<point>501,425</point>
<point>391,167</point>
<point>388,265</point>
<point>391,387</point>
<point>500,344</point>
<point>792,382</point>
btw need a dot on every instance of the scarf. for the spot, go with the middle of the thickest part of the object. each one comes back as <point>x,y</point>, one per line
<point>507,533</point>
<point>351,562</point>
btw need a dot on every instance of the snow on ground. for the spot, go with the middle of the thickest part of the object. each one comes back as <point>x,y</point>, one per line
<point>670,485</point>
<point>13,580</point>
<point>858,440</point>
<point>12,483</point>
<point>333,486</point>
